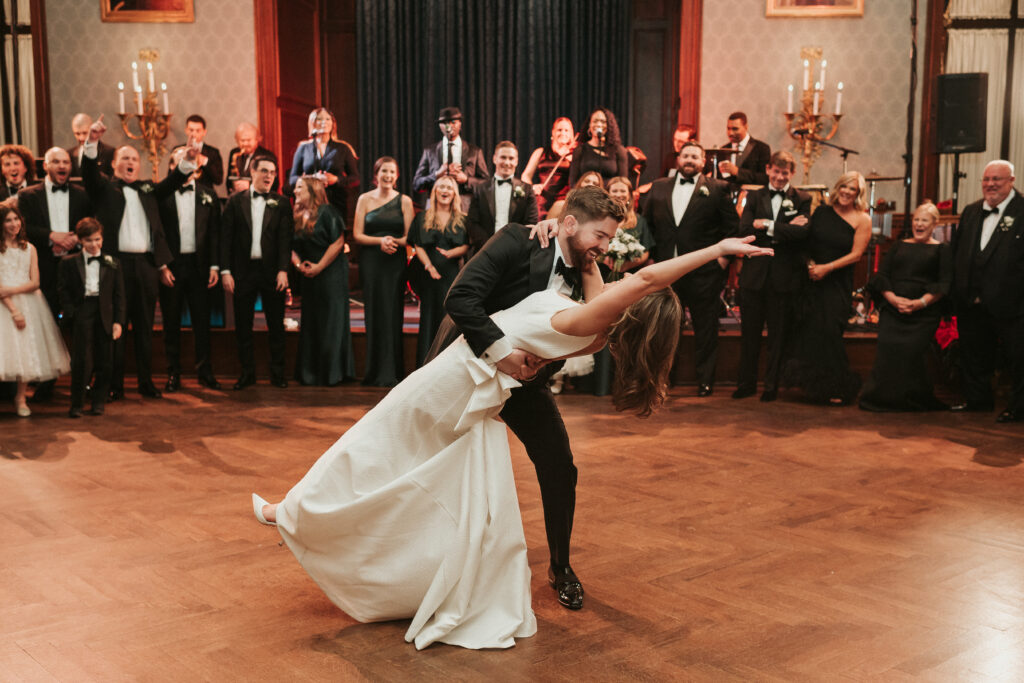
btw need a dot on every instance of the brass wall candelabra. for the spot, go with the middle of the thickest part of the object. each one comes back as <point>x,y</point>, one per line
<point>809,126</point>
<point>153,128</point>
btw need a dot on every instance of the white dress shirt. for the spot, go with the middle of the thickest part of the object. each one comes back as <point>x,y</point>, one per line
<point>92,275</point>
<point>133,237</point>
<point>456,151</point>
<point>988,226</point>
<point>259,207</point>
<point>59,206</point>
<point>502,200</point>
<point>186,205</point>
<point>776,206</point>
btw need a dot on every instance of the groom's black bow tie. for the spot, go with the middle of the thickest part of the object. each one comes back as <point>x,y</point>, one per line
<point>59,188</point>
<point>502,181</point>
<point>572,278</point>
<point>683,180</point>
<point>265,195</point>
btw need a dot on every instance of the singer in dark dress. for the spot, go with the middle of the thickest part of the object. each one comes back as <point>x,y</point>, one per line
<point>602,152</point>
<point>325,155</point>
<point>325,356</point>
<point>382,221</point>
<point>838,235</point>
<point>914,276</point>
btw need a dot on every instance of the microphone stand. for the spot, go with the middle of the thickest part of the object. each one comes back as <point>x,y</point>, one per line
<point>844,151</point>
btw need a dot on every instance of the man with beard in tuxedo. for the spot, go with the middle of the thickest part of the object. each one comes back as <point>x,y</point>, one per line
<point>191,220</point>
<point>129,211</point>
<point>506,199</point>
<point>52,209</point>
<point>510,267</point>
<point>687,213</point>
<point>777,215</point>
<point>988,290</point>
<point>451,156</point>
<point>105,153</point>
<point>18,166</point>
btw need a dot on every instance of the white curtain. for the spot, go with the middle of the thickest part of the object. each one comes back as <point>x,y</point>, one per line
<point>981,50</point>
<point>1017,122</point>
<point>26,95</point>
<point>979,9</point>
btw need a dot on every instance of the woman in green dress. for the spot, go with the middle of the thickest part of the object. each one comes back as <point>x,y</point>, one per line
<point>319,254</point>
<point>621,189</point>
<point>383,216</point>
<point>439,236</point>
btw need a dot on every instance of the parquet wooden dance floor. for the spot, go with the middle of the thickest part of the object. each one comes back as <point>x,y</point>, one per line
<point>718,540</point>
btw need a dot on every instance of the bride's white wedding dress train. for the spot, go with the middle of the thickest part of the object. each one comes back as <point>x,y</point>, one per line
<point>413,512</point>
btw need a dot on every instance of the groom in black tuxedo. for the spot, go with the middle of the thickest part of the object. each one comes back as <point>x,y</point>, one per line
<point>506,199</point>
<point>777,216</point>
<point>988,290</point>
<point>509,268</point>
<point>687,213</point>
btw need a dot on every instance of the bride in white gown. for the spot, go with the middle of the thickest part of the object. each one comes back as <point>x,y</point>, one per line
<point>413,511</point>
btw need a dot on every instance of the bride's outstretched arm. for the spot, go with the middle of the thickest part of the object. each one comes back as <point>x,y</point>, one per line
<point>598,314</point>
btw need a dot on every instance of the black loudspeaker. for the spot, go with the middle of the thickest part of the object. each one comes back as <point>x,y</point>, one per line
<point>963,104</point>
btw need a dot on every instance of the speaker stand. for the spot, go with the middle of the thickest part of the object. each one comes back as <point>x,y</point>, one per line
<point>957,175</point>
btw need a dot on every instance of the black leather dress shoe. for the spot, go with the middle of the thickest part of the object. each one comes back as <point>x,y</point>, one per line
<point>769,395</point>
<point>94,411</point>
<point>75,412</point>
<point>1010,416</point>
<point>279,382</point>
<point>173,383</point>
<point>743,392</point>
<point>115,395</point>
<point>246,380</point>
<point>209,381</point>
<point>703,390</point>
<point>150,391</point>
<point>567,586</point>
<point>972,407</point>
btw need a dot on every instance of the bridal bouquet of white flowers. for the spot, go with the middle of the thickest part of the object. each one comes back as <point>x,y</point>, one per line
<point>622,248</point>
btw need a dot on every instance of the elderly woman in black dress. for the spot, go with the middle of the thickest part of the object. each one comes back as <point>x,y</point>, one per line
<point>838,234</point>
<point>602,152</point>
<point>914,277</point>
<point>548,167</point>
<point>329,158</point>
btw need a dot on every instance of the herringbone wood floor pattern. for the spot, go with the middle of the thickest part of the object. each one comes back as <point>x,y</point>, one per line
<point>718,540</point>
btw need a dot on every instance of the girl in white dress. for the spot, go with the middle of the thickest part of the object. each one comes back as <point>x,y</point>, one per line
<point>413,511</point>
<point>32,348</point>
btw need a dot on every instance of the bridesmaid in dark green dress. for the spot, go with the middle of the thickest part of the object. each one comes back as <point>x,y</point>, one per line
<point>383,216</point>
<point>318,252</point>
<point>439,235</point>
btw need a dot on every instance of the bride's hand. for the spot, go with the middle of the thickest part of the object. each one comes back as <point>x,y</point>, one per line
<point>741,246</point>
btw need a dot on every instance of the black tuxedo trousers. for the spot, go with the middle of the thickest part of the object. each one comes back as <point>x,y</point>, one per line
<point>190,278</point>
<point>141,290</point>
<point>980,333</point>
<point>90,347</point>
<point>250,283</point>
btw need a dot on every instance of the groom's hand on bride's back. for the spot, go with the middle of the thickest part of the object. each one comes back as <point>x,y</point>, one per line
<point>520,364</point>
<point>544,230</point>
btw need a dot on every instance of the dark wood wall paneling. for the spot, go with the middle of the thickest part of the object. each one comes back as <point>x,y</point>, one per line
<point>298,26</point>
<point>44,125</point>
<point>338,62</point>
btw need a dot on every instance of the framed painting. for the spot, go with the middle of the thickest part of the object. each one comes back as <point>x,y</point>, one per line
<point>814,8</point>
<point>148,11</point>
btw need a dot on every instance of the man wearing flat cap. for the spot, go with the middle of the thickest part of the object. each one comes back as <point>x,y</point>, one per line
<point>452,156</point>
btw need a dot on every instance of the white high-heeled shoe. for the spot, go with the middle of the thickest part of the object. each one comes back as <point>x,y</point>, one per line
<point>22,409</point>
<point>257,508</point>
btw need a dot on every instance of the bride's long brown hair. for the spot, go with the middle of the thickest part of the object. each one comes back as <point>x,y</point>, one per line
<point>643,343</point>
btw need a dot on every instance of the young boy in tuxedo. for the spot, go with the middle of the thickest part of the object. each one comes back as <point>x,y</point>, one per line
<point>91,290</point>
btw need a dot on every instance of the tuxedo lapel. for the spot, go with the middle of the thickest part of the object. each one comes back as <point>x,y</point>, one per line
<point>201,214</point>
<point>246,207</point>
<point>265,237</point>
<point>80,262</point>
<point>489,192</point>
<point>742,156</point>
<point>541,261</point>
<point>694,198</point>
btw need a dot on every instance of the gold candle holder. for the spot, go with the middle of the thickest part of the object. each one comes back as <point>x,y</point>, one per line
<point>153,129</point>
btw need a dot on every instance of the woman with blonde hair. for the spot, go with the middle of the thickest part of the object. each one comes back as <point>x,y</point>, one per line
<point>839,233</point>
<point>914,277</point>
<point>325,355</point>
<point>440,238</point>
<point>621,190</point>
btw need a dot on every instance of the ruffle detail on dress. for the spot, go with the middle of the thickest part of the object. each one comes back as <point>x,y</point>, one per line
<point>492,390</point>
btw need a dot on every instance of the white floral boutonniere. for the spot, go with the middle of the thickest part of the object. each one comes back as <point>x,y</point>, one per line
<point>704,192</point>
<point>787,204</point>
<point>206,199</point>
<point>146,187</point>
<point>519,192</point>
<point>109,261</point>
<point>1006,223</point>
<point>271,203</point>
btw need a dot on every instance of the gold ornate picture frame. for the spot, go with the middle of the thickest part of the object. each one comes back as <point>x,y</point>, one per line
<point>148,11</point>
<point>814,8</point>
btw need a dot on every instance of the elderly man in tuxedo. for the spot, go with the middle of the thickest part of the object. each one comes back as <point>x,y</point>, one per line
<point>80,125</point>
<point>191,220</point>
<point>254,256</point>
<point>52,209</point>
<point>988,290</point>
<point>128,209</point>
<point>452,156</point>
<point>248,147</point>
<point>746,165</point>
<point>686,213</point>
<point>777,216</point>
<point>506,199</point>
<point>18,166</point>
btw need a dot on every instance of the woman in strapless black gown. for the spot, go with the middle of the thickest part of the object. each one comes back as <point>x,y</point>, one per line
<point>838,235</point>
<point>382,220</point>
<point>914,277</point>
